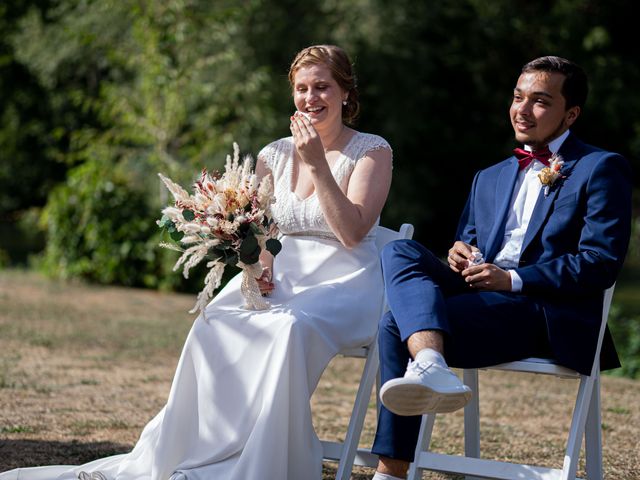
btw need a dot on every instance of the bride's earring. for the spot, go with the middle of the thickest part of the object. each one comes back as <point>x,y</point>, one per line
<point>344,102</point>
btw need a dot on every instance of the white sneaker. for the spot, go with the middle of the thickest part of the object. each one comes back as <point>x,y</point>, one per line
<point>425,388</point>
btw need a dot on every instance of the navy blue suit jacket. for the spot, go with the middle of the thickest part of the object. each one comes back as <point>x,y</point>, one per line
<point>574,246</point>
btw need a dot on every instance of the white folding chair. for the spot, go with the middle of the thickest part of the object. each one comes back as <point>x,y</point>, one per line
<point>585,422</point>
<point>347,453</point>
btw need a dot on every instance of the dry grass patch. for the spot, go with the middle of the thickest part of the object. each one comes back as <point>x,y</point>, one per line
<point>84,368</point>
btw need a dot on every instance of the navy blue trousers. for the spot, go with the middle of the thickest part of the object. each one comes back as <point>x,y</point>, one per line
<point>480,328</point>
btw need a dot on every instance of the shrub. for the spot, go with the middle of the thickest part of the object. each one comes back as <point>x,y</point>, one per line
<point>101,228</point>
<point>625,329</point>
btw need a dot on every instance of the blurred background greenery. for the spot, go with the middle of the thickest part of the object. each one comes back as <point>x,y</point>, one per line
<point>98,96</point>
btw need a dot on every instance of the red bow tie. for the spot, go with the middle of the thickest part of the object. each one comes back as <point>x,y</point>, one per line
<point>525,158</point>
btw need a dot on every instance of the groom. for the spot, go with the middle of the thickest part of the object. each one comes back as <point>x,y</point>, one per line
<point>543,234</point>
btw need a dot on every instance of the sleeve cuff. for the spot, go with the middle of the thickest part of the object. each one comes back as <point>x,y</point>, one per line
<point>516,281</point>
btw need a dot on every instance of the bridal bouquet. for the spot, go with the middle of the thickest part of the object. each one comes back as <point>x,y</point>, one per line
<point>226,221</point>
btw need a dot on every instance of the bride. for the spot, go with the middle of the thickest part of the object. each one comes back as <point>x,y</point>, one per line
<point>239,407</point>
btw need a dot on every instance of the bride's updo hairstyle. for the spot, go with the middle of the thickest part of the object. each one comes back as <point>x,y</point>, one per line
<point>341,69</point>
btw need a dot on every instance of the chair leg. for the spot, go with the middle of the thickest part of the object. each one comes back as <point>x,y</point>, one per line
<point>578,421</point>
<point>471,427</point>
<point>424,440</point>
<point>472,417</point>
<point>593,435</point>
<point>350,445</point>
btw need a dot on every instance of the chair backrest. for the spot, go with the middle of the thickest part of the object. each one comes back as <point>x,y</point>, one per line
<point>385,235</point>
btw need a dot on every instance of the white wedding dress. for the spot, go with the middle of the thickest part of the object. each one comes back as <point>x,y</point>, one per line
<point>239,403</point>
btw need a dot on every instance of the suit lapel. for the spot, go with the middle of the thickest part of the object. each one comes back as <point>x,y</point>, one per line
<point>543,205</point>
<point>504,192</point>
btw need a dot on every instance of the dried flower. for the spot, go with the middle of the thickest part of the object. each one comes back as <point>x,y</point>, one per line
<point>549,175</point>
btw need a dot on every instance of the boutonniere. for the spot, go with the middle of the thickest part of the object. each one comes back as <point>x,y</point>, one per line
<point>549,175</point>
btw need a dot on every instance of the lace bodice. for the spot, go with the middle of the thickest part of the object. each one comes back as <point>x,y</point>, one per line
<point>304,216</point>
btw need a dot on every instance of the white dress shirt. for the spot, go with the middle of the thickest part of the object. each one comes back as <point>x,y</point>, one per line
<point>525,195</point>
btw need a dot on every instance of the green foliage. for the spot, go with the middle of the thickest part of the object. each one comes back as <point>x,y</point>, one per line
<point>437,79</point>
<point>98,229</point>
<point>624,320</point>
<point>168,85</point>
<point>172,90</point>
<point>273,246</point>
<point>625,329</point>
<point>249,249</point>
<point>26,125</point>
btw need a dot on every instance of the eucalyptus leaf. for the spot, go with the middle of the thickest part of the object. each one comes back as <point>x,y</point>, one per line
<point>244,228</point>
<point>248,245</point>
<point>273,246</point>
<point>231,259</point>
<point>251,257</point>
<point>188,215</point>
<point>163,220</point>
<point>255,229</point>
<point>215,254</point>
<point>167,224</point>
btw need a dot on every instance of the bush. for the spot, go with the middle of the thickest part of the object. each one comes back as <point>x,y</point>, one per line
<point>101,228</point>
<point>625,329</point>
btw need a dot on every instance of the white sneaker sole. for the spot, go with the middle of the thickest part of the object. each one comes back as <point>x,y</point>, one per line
<point>409,399</point>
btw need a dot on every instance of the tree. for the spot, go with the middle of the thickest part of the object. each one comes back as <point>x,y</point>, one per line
<point>172,91</point>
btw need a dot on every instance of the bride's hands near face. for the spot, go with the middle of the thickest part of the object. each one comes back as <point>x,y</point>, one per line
<point>307,140</point>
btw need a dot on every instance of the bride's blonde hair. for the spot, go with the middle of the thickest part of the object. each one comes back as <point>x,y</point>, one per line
<point>337,60</point>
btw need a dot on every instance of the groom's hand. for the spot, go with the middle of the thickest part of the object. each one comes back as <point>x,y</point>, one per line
<point>460,255</point>
<point>487,277</point>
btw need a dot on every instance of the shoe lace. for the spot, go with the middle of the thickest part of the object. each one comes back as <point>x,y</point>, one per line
<point>419,367</point>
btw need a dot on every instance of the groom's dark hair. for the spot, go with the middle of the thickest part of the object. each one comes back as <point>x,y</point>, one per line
<point>575,86</point>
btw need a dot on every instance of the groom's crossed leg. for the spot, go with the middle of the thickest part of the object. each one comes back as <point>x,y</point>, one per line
<point>429,304</point>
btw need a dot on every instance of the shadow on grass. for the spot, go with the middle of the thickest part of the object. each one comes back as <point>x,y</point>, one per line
<point>32,453</point>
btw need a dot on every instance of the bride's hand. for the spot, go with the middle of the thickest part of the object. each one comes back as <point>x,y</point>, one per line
<point>307,140</point>
<point>264,282</point>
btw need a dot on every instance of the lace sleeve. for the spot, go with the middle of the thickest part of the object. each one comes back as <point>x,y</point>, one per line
<point>269,154</point>
<point>367,143</point>
<point>375,142</point>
